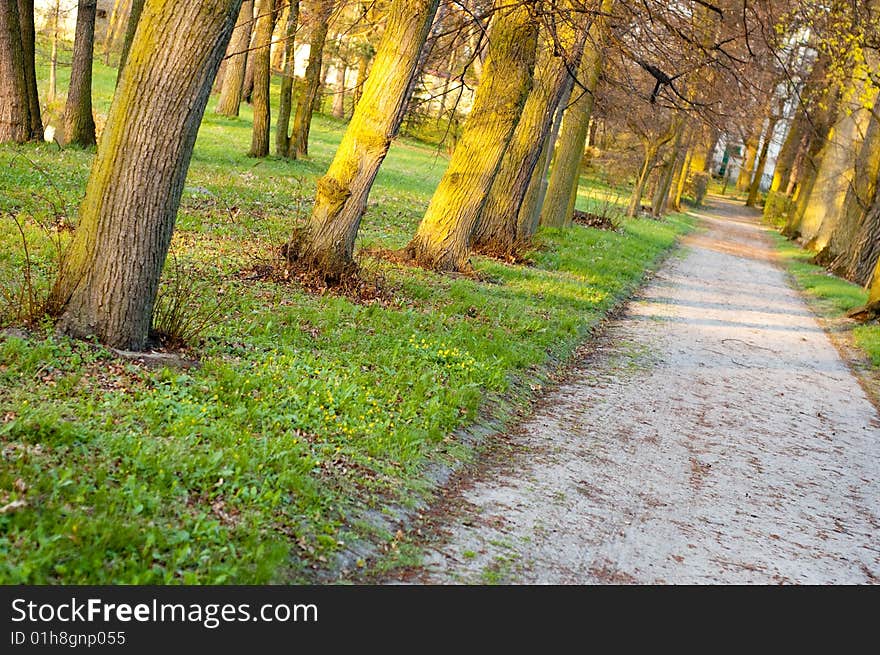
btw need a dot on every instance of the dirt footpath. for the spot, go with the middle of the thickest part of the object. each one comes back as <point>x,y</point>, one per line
<point>716,437</point>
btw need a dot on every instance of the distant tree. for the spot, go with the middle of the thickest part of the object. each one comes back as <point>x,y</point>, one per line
<point>285,103</point>
<point>134,16</point>
<point>266,12</point>
<point>230,94</point>
<point>318,21</point>
<point>26,18</point>
<point>110,272</point>
<point>79,123</point>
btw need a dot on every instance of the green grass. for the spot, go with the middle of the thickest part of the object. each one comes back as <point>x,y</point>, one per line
<point>309,415</point>
<point>832,297</point>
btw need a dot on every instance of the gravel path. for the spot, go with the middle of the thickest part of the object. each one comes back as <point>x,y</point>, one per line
<point>716,437</point>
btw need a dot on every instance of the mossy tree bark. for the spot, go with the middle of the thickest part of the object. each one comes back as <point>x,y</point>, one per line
<point>558,206</point>
<point>110,273</point>
<point>327,243</point>
<point>496,231</point>
<point>443,238</point>
<point>266,12</point>
<point>134,16</point>
<point>308,93</point>
<point>26,20</point>
<point>798,132</point>
<point>15,121</point>
<point>846,242</point>
<point>229,103</point>
<point>282,128</point>
<point>79,123</point>
<point>824,205</point>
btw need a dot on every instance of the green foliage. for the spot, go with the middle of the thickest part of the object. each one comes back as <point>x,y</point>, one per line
<point>308,413</point>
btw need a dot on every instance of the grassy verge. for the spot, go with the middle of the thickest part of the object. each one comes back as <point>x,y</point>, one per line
<point>309,417</point>
<point>831,297</point>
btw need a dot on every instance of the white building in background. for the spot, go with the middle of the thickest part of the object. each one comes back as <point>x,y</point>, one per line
<point>44,11</point>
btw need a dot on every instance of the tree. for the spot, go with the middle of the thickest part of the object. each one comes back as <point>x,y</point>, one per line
<point>113,27</point>
<point>110,273</point>
<point>262,43</point>
<point>26,18</point>
<point>79,123</point>
<point>15,103</point>
<point>326,245</point>
<point>496,231</point>
<point>282,129</point>
<point>558,205</point>
<point>305,101</point>
<point>230,95</point>
<point>443,238</point>
<point>134,16</point>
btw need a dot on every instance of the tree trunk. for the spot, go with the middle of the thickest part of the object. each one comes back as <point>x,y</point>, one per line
<point>279,53</point>
<point>565,173</point>
<point>53,56</point>
<point>233,79</point>
<point>843,249</point>
<point>15,121</point>
<point>866,251</point>
<point>443,238</point>
<point>837,160</point>
<point>282,129</point>
<point>529,213</point>
<point>327,243</point>
<point>26,23</point>
<point>807,170</point>
<point>755,186</point>
<point>261,55</point>
<point>744,179</point>
<point>798,130</point>
<point>134,16</point>
<point>339,98</point>
<point>110,273</point>
<point>667,172</point>
<point>305,101</point>
<point>247,85</point>
<point>79,123</point>
<point>635,201</point>
<point>112,29</point>
<point>496,231</point>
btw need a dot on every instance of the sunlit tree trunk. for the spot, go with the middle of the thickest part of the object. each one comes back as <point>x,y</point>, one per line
<point>134,16</point>
<point>529,213</point>
<point>844,248</point>
<point>282,129</point>
<point>667,172</point>
<point>311,85</point>
<point>261,55</point>
<point>755,186</point>
<point>496,231</point>
<point>326,245</point>
<point>79,123</point>
<point>110,274</point>
<point>558,204</point>
<point>835,173</point>
<point>229,103</point>
<point>339,97</point>
<point>648,161</point>
<point>112,28</point>
<point>443,238</point>
<point>744,179</point>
